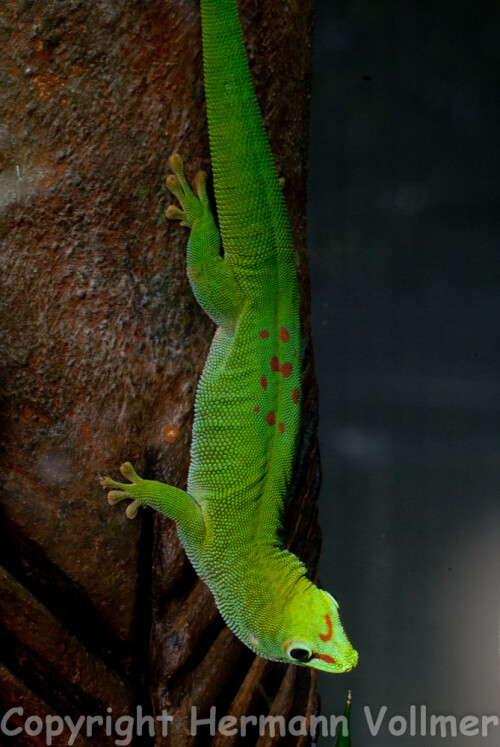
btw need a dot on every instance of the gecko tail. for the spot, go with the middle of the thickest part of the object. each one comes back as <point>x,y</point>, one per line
<point>250,205</point>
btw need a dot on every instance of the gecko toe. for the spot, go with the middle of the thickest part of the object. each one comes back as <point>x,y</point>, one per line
<point>176,164</point>
<point>174,186</point>
<point>201,184</point>
<point>108,482</point>
<point>132,509</point>
<point>175,213</point>
<point>115,496</point>
<point>129,472</point>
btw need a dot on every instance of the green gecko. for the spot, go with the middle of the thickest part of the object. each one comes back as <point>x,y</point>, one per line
<point>247,409</point>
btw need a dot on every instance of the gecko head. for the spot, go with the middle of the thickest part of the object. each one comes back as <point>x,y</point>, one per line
<point>318,638</point>
<point>311,635</point>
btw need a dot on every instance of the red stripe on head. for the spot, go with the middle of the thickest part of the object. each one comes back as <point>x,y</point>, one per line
<point>327,636</point>
<point>263,382</point>
<point>324,657</point>
<point>263,334</point>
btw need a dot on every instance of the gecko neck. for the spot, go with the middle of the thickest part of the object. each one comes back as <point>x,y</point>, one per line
<point>276,579</point>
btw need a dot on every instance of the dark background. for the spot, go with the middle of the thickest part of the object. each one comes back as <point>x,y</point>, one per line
<point>404,234</point>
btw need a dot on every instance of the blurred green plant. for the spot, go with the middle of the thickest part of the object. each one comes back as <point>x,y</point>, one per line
<point>344,740</point>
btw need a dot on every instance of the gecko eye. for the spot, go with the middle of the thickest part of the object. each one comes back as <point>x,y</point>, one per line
<point>299,653</point>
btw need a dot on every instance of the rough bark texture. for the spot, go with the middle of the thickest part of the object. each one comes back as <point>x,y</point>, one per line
<point>102,345</point>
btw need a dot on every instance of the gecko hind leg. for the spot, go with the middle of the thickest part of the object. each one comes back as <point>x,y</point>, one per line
<point>211,277</point>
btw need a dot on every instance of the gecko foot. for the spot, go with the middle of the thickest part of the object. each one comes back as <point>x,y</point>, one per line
<point>124,491</point>
<point>193,205</point>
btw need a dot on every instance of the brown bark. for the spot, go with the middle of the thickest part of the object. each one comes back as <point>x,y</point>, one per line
<point>102,345</point>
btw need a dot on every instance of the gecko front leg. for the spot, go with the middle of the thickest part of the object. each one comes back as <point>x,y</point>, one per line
<point>173,502</point>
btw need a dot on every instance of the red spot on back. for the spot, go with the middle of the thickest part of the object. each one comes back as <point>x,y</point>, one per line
<point>281,427</point>
<point>286,369</point>
<point>326,636</point>
<point>270,418</point>
<point>275,364</point>
<point>295,396</point>
<point>324,657</point>
<point>256,409</point>
<point>284,334</point>
<point>263,382</point>
<point>263,334</point>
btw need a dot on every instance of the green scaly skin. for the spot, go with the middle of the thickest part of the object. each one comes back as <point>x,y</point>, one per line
<point>247,411</point>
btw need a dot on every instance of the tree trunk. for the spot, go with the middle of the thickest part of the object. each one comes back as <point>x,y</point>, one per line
<point>102,347</point>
